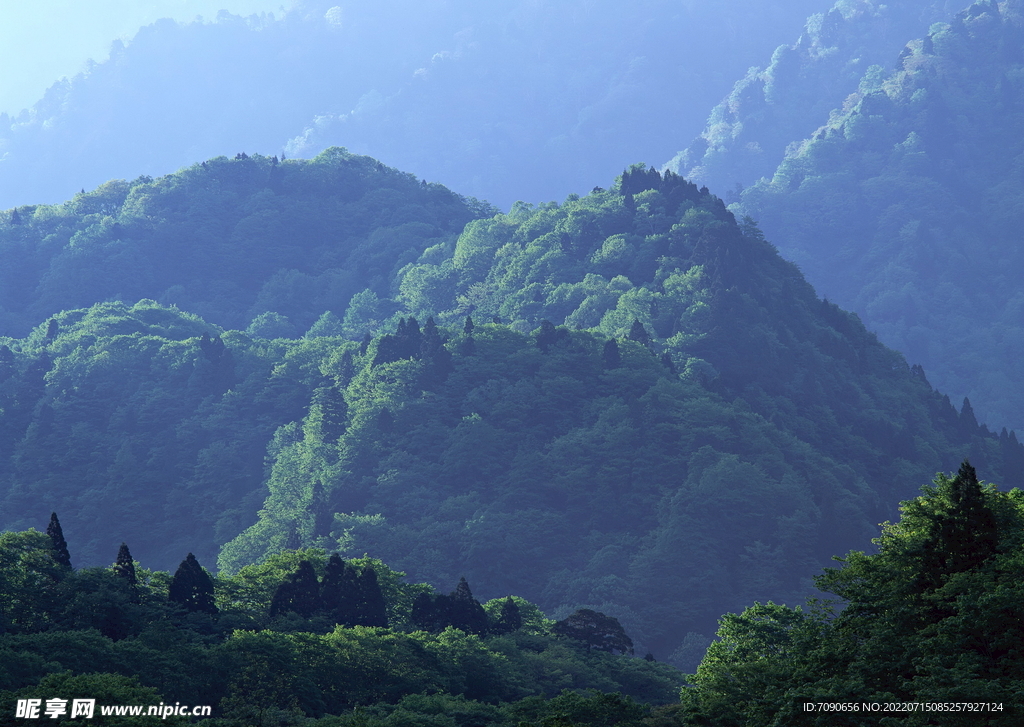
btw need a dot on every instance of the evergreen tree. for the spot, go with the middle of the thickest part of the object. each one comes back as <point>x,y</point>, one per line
<point>371,610</point>
<point>51,330</point>
<point>509,620</point>
<point>468,326</point>
<point>466,612</point>
<point>964,529</point>
<point>60,546</point>
<point>548,335</point>
<point>124,566</point>
<point>192,588</point>
<point>338,596</point>
<point>968,421</point>
<point>666,361</point>
<point>330,412</point>
<point>639,334</point>
<point>432,613</point>
<point>298,593</point>
<point>436,358</point>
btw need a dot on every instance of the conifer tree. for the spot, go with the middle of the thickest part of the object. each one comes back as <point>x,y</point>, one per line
<point>124,566</point>
<point>968,534</point>
<point>968,421</point>
<point>432,612</point>
<point>298,593</point>
<point>639,334</point>
<point>371,610</point>
<point>330,412</point>
<point>436,358</point>
<point>467,613</point>
<point>338,591</point>
<point>192,588</point>
<point>51,330</point>
<point>60,546</point>
<point>509,620</point>
<point>468,326</point>
<point>548,335</point>
<point>666,361</point>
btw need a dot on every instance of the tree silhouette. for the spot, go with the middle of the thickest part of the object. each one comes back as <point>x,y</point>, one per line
<point>192,588</point>
<point>509,619</point>
<point>124,566</point>
<point>298,593</point>
<point>60,546</point>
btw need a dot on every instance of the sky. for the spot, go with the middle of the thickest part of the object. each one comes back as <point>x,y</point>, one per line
<point>45,40</point>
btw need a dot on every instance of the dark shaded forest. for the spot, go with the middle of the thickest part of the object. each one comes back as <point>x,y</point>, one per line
<point>289,410</point>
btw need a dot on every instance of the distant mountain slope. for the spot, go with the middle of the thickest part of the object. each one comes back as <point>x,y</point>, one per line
<point>710,435</point>
<point>717,431</point>
<point>906,207</point>
<point>772,107</point>
<point>505,100</point>
<point>228,239</point>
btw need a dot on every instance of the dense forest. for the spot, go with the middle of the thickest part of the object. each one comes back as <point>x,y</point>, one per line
<point>932,620</point>
<point>229,239</point>
<point>904,206</point>
<point>304,636</point>
<point>631,386</point>
<point>748,132</point>
<point>264,420</point>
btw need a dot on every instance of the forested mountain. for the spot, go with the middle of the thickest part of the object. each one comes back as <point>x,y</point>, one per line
<point>504,100</point>
<point>230,240</point>
<point>905,207</point>
<point>748,133</point>
<point>627,402</point>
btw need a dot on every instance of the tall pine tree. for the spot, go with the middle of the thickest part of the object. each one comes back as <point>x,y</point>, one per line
<point>60,546</point>
<point>192,588</point>
<point>298,593</point>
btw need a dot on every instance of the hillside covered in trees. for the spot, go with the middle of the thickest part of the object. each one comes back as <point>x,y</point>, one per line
<point>302,638</point>
<point>749,132</point>
<point>627,402</point>
<point>626,409</point>
<point>905,206</point>
<point>229,239</point>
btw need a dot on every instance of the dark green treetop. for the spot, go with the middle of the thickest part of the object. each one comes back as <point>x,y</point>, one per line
<point>60,546</point>
<point>192,588</point>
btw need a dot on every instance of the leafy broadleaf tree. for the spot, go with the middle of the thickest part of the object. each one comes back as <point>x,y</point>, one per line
<point>935,616</point>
